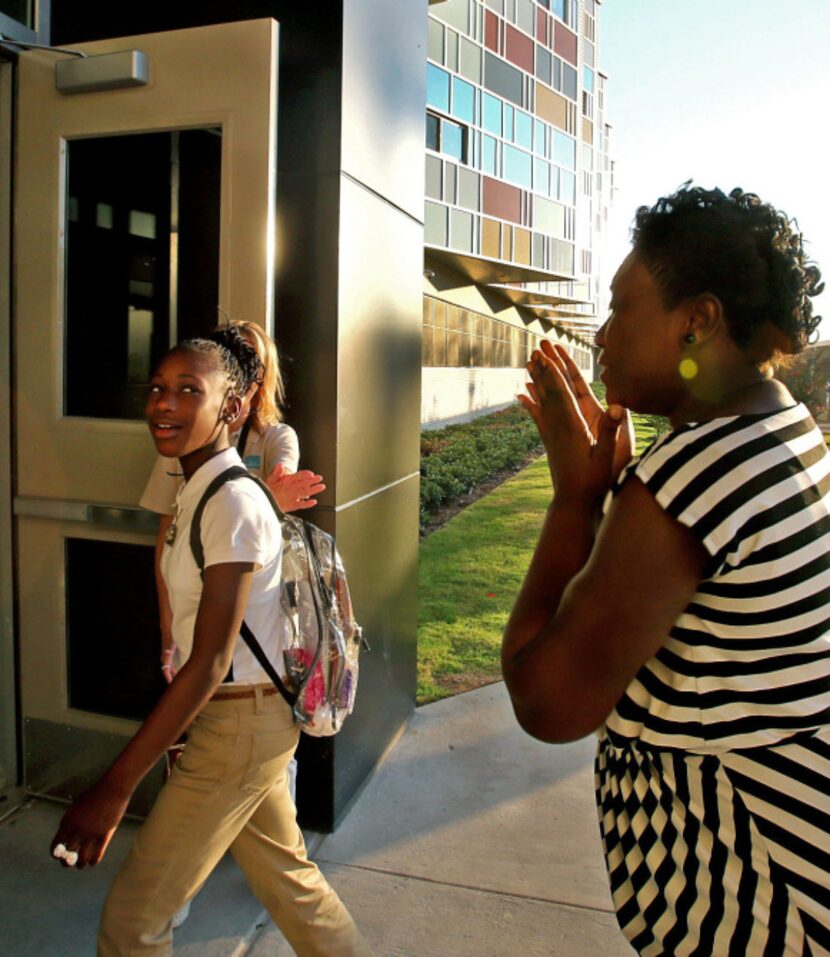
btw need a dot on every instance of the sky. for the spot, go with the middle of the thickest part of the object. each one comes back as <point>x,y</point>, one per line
<point>727,93</point>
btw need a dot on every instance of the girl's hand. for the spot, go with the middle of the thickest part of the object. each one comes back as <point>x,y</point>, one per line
<point>294,490</point>
<point>88,826</point>
<point>168,654</point>
<point>587,446</point>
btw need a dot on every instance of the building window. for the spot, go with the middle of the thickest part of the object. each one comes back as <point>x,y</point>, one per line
<point>433,132</point>
<point>22,11</point>
<point>523,133</point>
<point>564,150</point>
<point>588,79</point>
<point>463,100</point>
<point>435,41</point>
<point>438,88</point>
<point>459,338</point>
<point>567,187</point>
<point>445,136</point>
<point>489,158</point>
<point>518,167</point>
<point>456,13</point>
<point>503,79</point>
<point>541,177</point>
<point>492,114</point>
<point>568,81</point>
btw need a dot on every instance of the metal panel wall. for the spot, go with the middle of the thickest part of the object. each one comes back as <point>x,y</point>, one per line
<point>349,315</point>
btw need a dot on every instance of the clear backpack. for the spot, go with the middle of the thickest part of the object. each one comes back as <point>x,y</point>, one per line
<point>320,638</point>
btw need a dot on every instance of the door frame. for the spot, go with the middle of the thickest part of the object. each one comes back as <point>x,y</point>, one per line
<point>63,748</point>
<point>9,711</point>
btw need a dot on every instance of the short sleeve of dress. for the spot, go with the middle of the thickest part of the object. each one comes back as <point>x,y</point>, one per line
<point>719,478</point>
<point>162,487</point>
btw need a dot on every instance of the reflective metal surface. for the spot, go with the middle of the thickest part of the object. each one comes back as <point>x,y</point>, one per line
<point>384,67</point>
<point>382,562</point>
<point>481,269</point>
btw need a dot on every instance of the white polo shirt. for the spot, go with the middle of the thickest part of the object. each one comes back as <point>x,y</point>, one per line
<point>238,525</point>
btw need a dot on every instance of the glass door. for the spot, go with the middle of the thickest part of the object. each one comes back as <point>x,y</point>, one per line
<point>141,216</point>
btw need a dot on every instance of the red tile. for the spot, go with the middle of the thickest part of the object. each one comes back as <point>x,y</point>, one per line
<point>519,49</point>
<point>501,200</point>
<point>564,42</point>
<point>491,31</point>
<point>541,25</point>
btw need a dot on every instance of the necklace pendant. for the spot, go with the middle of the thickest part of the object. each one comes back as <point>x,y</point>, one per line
<point>170,534</point>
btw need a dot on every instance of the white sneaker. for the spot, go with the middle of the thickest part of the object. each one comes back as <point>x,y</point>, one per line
<point>181,916</point>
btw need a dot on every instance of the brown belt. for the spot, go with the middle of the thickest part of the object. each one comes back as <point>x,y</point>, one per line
<point>243,693</point>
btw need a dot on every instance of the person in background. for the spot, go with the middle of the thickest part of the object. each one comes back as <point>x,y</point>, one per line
<point>689,619</point>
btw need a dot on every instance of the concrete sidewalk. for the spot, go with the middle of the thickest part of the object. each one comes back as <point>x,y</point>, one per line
<point>472,840</point>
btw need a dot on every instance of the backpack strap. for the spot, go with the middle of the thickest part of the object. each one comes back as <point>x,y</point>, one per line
<point>243,437</point>
<point>250,639</point>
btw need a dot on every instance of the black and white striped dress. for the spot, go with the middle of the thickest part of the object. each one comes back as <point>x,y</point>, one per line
<point>713,770</point>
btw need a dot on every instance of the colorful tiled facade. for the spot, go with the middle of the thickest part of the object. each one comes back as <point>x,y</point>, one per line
<point>518,182</point>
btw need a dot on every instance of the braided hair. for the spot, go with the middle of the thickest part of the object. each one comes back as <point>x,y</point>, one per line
<point>232,354</point>
<point>740,249</point>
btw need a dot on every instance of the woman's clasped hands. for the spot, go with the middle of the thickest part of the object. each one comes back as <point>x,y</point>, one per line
<point>587,445</point>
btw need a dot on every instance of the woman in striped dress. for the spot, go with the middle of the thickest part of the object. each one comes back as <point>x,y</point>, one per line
<point>691,625</point>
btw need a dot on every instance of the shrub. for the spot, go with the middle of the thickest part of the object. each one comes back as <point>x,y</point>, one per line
<point>457,458</point>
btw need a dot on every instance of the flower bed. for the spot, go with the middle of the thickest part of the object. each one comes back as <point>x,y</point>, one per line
<point>457,458</point>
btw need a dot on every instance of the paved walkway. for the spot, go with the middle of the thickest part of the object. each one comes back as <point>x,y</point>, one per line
<point>472,840</point>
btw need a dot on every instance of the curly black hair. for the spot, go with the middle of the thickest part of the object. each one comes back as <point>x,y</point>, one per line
<point>232,354</point>
<point>740,249</point>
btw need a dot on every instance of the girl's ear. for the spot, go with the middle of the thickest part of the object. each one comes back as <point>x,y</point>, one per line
<point>232,409</point>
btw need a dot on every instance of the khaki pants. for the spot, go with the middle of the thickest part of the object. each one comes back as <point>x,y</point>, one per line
<point>228,790</point>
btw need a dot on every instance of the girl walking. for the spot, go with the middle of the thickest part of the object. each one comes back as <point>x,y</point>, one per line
<point>230,788</point>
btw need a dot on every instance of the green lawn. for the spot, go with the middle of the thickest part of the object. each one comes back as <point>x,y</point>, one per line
<point>470,572</point>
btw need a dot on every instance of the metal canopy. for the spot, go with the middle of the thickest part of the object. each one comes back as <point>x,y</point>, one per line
<point>536,298</point>
<point>489,272</point>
